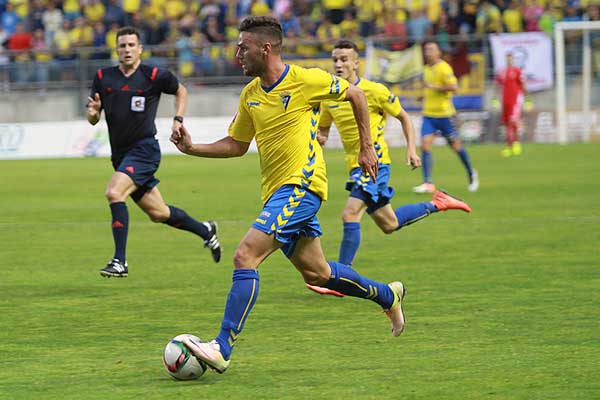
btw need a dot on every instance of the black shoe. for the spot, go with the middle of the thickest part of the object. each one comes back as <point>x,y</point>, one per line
<point>213,241</point>
<point>114,268</point>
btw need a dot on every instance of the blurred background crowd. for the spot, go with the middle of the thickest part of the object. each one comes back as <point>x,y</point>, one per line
<point>201,34</point>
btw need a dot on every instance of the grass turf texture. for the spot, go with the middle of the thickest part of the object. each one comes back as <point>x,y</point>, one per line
<point>502,303</point>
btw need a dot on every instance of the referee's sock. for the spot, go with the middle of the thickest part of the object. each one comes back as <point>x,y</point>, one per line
<point>181,220</point>
<point>120,225</point>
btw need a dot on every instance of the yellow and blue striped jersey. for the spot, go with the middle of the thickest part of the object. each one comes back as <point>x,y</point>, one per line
<point>283,119</point>
<point>381,102</point>
<point>435,103</point>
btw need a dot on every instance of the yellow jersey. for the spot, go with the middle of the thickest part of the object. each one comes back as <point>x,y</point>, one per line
<point>381,102</point>
<point>283,120</point>
<point>438,104</point>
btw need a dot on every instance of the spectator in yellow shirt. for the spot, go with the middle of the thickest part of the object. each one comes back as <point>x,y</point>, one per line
<point>82,34</point>
<point>348,24</point>
<point>489,19</point>
<point>131,7</point>
<point>259,8</point>
<point>173,9</point>
<point>328,34</point>
<point>94,11</point>
<point>366,13</point>
<point>513,18</point>
<point>21,8</point>
<point>71,9</point>
<point>334,10</point>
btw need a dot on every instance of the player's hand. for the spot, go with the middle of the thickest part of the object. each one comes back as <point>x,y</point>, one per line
<point>175,128</point>
<point>369,164</point>
<point>413,159</point>
<point>182,139</point>
<point>428,85</point>
<point>528,104</point>
<point>322,140</point>
<point>94,105</point>
<point>495,103</point>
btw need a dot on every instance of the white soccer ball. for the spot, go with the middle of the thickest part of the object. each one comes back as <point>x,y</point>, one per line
<point>180,362</point>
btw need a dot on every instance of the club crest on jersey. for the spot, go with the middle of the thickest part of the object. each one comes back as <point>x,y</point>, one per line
<point>285,99</point>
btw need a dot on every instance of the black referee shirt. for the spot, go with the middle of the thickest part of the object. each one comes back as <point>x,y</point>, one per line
<point>130,103</point>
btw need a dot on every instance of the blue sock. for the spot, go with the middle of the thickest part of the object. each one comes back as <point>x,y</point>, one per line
<point>350,242</point>
<point>427,165</point>
<point>347,281</point>
<point>411,213</point>
<point>180,220</point>
<point>120,224</point>
<point>464,157</point>
<point>242,296</point>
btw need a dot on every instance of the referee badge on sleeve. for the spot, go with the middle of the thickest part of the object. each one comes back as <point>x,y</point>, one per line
<point>138,103</point>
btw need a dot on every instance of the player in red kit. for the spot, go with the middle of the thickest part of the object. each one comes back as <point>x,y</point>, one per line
<point>513,92</point>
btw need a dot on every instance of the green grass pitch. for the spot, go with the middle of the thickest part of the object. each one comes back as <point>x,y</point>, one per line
<point>503,303</point>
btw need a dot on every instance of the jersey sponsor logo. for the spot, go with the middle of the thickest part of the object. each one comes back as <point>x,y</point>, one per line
<point>285,99</point>
<point>138,103</point>
<point>253,103</point>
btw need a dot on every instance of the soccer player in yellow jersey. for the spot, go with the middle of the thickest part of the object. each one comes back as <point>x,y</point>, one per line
<point>280,110</point>
<point>366,195</point>
<point>438,116</point>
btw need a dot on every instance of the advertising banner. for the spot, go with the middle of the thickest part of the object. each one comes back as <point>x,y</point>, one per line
<point>531,51</point>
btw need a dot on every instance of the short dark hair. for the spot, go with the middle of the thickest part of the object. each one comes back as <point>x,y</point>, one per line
<point>346,44</point>
<point>267,27</point>
<point>128,30</point>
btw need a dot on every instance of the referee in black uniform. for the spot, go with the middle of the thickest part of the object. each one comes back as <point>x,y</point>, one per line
<point>129,94</point>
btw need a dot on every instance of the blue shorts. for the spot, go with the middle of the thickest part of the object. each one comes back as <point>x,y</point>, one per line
<point>374,194</point>
<point>291,212</point>
<point>140,163</point>
<point>444,126</point>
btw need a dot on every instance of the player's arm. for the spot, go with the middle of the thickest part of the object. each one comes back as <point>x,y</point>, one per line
<point>522,84</point>
<point>94,102</point>
<point>447,87</point>
<point>181,96</point>
<point>94,107</point>
<point>323,134</point>
<point>324,125</point>
<point>412,158</point>
<point>367,158</point>
<point>223,148</point>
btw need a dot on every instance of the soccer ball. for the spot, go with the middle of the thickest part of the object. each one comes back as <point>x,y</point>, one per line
<point>180,362</point>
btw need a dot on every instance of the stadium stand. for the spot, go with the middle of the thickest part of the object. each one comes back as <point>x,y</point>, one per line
<point>51,40</point>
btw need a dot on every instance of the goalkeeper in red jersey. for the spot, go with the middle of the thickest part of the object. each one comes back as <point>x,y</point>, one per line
<point>510,79</point>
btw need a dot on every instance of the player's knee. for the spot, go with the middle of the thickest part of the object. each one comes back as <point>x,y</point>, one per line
<point>113,195</point>
<point>349,215</point>
<point>242,257</point>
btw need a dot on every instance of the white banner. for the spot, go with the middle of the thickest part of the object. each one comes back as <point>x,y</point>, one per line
<point>532,52</point>
<point>80,139</point>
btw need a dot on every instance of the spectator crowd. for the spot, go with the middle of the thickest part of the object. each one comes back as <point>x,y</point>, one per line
<point>200,34</point>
